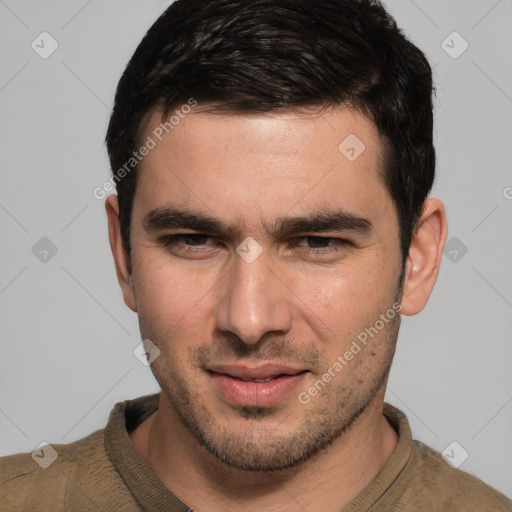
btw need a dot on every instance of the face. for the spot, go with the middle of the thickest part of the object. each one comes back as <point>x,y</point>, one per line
<point>262,255</point>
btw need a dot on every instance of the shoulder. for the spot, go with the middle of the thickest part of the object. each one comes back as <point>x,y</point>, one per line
<point>44,478</point>
<point>427,482</point>
<point>439,484</point>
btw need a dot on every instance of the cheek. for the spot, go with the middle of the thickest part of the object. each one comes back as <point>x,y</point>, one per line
<point>168,294</point>
<point>340,303</point>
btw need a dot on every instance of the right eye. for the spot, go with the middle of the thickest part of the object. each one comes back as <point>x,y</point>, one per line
<point>191,244</point>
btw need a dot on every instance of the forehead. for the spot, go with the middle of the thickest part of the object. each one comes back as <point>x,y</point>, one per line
<point>286,133</point>
<point>264,164</point>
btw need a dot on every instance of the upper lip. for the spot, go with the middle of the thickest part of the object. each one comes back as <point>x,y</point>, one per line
<point>246,372</point>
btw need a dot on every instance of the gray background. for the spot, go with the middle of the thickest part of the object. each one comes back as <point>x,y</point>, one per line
<point>67,339</point>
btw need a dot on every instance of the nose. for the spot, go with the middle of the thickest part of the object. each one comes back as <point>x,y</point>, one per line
<point>254,302</point>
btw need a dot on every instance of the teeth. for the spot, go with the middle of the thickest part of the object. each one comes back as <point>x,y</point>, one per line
<point>264,380</point>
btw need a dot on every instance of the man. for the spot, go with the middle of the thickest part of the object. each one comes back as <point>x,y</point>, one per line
<point>273,162</point>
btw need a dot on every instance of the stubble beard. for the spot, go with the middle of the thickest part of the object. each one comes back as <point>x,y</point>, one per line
<point>260,447</point>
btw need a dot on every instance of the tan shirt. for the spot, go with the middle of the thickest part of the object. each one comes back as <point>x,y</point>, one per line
<point>104,472</point>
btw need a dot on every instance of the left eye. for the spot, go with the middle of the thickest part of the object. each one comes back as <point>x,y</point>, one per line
<point>319,242</point>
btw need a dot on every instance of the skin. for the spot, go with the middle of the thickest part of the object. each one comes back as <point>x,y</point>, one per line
<point>200,303</point>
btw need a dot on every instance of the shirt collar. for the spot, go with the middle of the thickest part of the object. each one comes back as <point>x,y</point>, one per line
<point>154,496</point>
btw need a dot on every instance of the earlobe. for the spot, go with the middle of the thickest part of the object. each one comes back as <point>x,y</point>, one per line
<point>122,259</point>
<point>424,259</point>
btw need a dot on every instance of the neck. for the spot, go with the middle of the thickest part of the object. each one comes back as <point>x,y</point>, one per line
<point>328,481</point>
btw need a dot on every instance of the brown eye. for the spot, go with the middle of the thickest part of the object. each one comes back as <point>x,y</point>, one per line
<point>191,239</point>
<point>319,242</point>
<point>191,245</point>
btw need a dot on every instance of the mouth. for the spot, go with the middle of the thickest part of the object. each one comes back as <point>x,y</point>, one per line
<point>255,386</point>
<point>267,379</point>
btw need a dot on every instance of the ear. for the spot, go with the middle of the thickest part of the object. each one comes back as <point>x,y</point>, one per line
<point>122,259</point>
<point>424,259</point>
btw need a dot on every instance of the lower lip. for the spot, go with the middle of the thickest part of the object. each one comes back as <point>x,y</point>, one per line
<point>255,394</point>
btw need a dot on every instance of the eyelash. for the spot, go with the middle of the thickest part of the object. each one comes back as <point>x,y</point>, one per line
<point>340,243</point>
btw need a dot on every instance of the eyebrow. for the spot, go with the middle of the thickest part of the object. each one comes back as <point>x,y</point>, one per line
<point>321,221</point>
<point>169,218</point>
